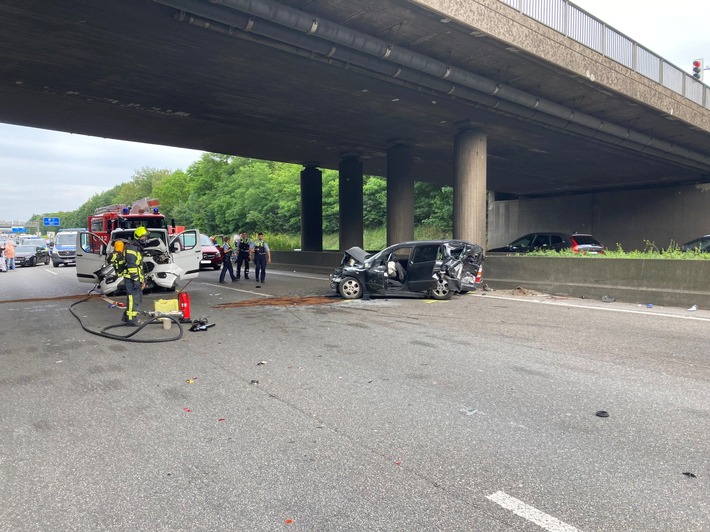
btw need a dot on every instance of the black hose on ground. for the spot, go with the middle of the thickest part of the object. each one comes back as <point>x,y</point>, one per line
<point>128,337</point>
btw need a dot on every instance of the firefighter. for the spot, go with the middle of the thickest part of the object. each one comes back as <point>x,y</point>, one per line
<point>127,259</point>
<point>261,255</point>
<point>243,255</point>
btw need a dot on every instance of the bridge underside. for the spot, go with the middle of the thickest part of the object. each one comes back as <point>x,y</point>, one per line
<point>189,75</point>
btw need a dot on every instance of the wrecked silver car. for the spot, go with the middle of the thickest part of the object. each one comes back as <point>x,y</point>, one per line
<point>434,268</point>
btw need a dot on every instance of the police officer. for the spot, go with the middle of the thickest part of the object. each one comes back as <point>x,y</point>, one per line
<point>226,261</point>
<point>127,260</point>
<point>261,255</point>
<point>243,255</point>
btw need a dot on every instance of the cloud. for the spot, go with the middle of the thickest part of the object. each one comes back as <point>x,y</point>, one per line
<point>673,32</point>
<point>48,171</point>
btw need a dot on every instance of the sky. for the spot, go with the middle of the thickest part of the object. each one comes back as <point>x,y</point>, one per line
<point>46,171</point>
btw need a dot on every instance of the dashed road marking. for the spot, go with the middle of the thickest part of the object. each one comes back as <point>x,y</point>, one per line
<point>533,515</point>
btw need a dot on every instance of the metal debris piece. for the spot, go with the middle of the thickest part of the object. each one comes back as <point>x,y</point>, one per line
<point>608,299</point>
<point>693,308</point>
<point>689,474</point>
<point>602,413</point>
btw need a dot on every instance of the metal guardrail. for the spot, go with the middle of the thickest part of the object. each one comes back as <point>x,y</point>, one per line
<point>577,24</point>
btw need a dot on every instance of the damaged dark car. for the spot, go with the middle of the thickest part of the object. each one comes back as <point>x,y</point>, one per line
<point>433,268</point>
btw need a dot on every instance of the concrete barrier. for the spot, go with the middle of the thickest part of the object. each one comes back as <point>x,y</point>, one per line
<point>678,283</point>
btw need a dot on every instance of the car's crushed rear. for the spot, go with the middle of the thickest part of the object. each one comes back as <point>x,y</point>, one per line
<point>464,264</point>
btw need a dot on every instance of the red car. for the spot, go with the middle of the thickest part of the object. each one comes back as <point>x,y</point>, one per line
<point>211,257</point>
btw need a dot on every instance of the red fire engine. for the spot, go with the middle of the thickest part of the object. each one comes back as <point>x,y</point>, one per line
<point>144,212</point>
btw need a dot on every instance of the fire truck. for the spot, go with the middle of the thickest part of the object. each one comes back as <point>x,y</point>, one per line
<point>144,212</point>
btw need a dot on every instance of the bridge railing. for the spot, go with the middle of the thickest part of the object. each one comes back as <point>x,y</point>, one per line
<point>577,24</point>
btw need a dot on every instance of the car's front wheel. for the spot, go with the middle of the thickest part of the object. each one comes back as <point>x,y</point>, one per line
<point>46,261</point>
<point>33,261</point>
<point>350,288</point>
<point>441,291</point>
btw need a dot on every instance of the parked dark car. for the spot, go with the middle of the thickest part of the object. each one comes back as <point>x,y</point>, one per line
<point>31,255</point>
<point>577,242</point>
<point>34,241</point>
<point>434,268</point>
<point>701,245</point>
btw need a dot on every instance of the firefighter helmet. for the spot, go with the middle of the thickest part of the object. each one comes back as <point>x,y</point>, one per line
<point>140,231</point>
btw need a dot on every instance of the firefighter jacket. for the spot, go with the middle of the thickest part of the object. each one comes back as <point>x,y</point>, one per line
<point>129,262</point>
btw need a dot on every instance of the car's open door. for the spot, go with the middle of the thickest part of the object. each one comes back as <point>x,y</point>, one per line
<point>376,278</point>
<point>186,252</point>
<point>421,267</point>
<point>90,256</point>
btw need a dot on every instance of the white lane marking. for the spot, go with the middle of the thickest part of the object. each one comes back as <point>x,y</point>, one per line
<point>50,271</point>
<point>533,515</point>
<point>303,275</point>
<point>240,290</point>
<point>590,307</point>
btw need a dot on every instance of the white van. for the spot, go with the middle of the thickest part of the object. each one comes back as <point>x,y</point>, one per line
<point>169,261</point>
<point>64,250</point>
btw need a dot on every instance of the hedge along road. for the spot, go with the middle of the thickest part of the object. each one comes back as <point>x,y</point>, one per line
<point>474,414</point>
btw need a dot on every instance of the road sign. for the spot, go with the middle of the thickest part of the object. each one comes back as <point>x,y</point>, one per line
<point>19,230</point>
<point>51,221</point>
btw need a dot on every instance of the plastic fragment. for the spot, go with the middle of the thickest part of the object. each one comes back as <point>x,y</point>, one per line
<point>608,299</point>
<point>254,381</point>
<point>190,381</point>
<point>261,363</point>
<point>220,419</point>
<point>689,474</point>
<point>693,308</point>
<point>602,413</point>
<point>649,305</point>
<point>289,521</point>
<point>186,409</point>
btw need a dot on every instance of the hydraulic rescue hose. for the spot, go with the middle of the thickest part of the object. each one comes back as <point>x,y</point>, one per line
<point>128,337</point>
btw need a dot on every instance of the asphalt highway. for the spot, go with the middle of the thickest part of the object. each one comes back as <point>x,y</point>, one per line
<point>300,411</point>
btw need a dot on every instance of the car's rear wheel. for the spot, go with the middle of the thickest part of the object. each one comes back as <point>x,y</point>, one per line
<point>441,291</point>
<point>350,288</point>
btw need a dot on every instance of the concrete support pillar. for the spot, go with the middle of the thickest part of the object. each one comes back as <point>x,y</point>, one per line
<point>400,194</point>
<point>470,152</point>
<point>350,202</point>
<point>311,208</point>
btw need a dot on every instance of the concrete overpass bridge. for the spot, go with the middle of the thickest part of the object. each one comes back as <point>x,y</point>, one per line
<point>544,119</point>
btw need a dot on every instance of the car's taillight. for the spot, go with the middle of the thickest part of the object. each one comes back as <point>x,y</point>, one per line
<point>575,246</point>
<point>479,275</point>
